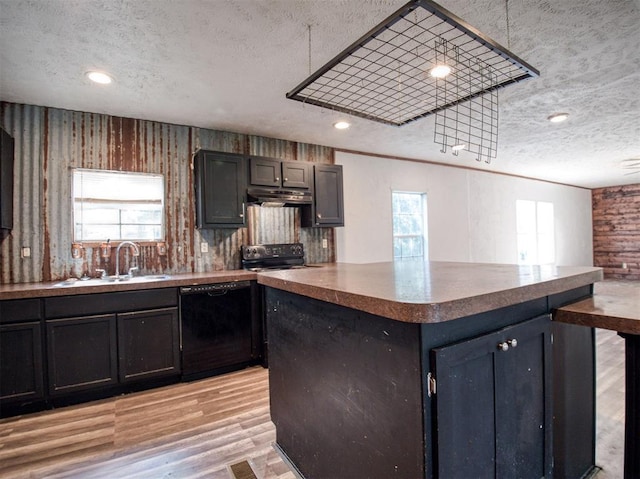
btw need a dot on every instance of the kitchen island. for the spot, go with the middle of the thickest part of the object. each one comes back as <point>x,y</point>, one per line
<point>413,369</point>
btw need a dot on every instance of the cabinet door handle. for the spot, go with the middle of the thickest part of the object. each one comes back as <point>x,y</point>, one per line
<point>319,215</point>
<point>509,343</point>
<point>242,214</point>
<point>277,179</point>
<point>286,179</point>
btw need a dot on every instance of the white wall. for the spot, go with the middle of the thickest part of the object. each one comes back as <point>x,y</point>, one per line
<point>471,213</point>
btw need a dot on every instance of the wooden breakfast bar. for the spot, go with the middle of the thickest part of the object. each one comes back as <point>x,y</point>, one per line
<point>431,370</point>
<point>616,306</point>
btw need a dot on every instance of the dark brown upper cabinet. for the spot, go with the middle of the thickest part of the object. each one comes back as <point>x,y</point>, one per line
<point>328,207</point>
<point>296,174</point>
<point>276,174</point>
<point>220,184</point>
<point>6,180</point>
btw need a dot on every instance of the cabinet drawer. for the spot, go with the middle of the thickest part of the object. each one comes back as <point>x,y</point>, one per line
<point>104,303</point>
<point>18,310</point>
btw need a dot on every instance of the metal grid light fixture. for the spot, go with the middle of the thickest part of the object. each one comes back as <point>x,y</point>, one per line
<point>387,76</point>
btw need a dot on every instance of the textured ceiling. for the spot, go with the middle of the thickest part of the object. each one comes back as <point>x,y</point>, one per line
<point>227,65</point>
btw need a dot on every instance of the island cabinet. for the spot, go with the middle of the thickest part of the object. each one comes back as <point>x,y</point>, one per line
<point>354,394</point>
<point>103,340</point>
<point>493,403</point>
<point>21,362</point>
<point>220,189</point>
<point>275,173</point>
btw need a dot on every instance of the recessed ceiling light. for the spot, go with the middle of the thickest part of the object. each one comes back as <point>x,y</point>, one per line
<point>440,71</point>
<point>558,117</point>
<point>458,147</point>
<point>99,77</point>
<point>342,125</point>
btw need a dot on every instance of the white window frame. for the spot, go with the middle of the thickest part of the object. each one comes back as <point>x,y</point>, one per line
<point>124,192</point>
<point>423,225</point>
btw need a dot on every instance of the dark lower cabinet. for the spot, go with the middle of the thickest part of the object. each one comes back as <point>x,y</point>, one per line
<point>22,377</point>
<point>148,344</point>
<point>21,367</point>
<point>63,350</point>
<point>493,404</point>
<point>81,353</point>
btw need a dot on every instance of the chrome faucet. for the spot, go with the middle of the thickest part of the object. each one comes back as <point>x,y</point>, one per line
<point>136,252</point>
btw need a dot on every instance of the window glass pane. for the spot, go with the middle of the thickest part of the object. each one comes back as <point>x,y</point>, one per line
<point>535,232</point>
<point>142,215</point>
<point>409,224</point>
<point>117,205</point>
<point>99,216</point>
<point>98,232</point>
<point>140,231</point>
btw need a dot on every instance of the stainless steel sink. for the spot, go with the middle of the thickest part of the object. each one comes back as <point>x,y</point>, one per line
<point>74,282</point>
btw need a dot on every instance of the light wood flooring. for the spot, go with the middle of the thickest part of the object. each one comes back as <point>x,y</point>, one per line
<point>609,404</point>
<point>200,429</point>
<point>189,430</point>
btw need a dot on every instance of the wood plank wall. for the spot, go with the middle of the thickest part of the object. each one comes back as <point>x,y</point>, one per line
<point>616,231</point>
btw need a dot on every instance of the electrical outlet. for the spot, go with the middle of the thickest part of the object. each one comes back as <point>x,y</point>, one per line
<point>25,252</point>
<point>325,243</point>
<point>204,247</point>
<point>624,265</point>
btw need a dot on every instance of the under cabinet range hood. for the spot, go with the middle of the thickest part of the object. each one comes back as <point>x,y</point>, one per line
<point>278,197</point>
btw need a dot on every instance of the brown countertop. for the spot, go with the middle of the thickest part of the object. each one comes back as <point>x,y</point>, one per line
<point>40,290</point>
<point>419,292</point>
<point>410,291</point>
<point>615,305</point>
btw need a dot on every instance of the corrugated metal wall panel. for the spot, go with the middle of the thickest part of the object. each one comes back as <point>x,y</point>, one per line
<point>51,142</point>
<point>271,147</point>
<point>24,123</point>
<point>273,225</point>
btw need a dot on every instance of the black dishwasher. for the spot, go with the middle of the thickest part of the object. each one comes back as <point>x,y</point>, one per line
<point>221,329</point>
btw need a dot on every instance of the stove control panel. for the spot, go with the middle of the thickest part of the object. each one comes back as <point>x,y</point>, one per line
<point>271,251</point>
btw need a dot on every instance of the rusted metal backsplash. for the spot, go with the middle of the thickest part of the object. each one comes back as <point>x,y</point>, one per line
<point>50,142</point>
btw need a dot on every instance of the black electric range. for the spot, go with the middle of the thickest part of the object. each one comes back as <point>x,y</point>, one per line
<point>273,256</point>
